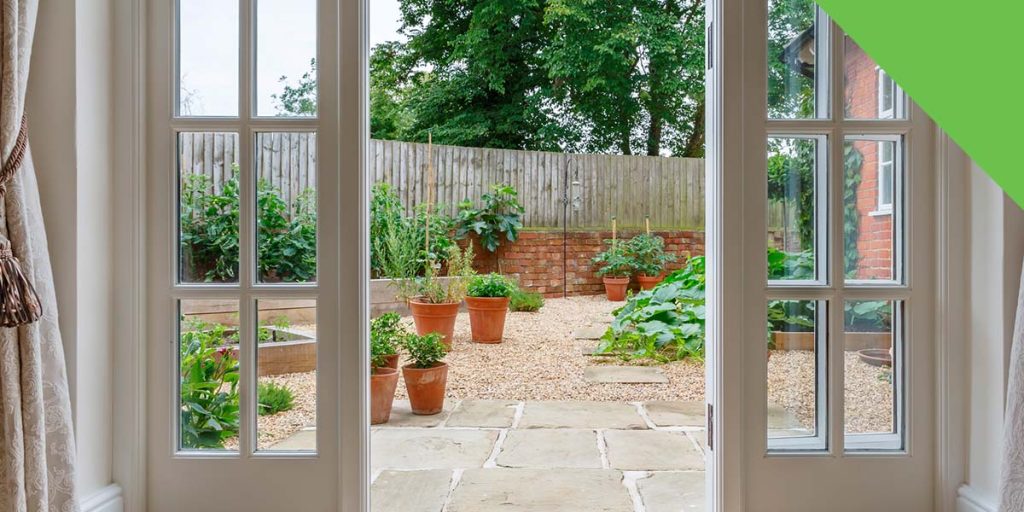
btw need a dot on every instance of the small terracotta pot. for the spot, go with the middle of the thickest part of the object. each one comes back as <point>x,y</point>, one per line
<point>439,318</point>
<point>615,288</point>
<point>487,318</point>
<point>391,361</point>
<point>383,382</point>
<point>649,282</point>
<point>426,387</point>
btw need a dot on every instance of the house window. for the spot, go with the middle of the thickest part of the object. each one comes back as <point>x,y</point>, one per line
<point>886,96</point>
<point>886,164</point>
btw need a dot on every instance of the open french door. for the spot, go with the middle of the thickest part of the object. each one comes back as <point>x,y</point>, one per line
<point>821,338</point>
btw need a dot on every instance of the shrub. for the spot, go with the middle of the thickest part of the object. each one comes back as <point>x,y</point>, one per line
<point>209,389</point>
<point>501,214</point>
<point>425,351</point>
<point>274,398</point>
<point>523,300</point>
<point>491,285</point>
<point>648,254</point>
<point>615,261</point>
<point>398,241</point>
<point>386,332</point>
<point>431,289</point>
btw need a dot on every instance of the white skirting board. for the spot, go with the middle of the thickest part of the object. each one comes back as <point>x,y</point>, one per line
<point>970,500</point>
<point>107,499</point>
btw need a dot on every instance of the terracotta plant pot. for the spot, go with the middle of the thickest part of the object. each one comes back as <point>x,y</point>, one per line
<point>383,382</point>
<point>649,282</point>
<point>615,288</point>
<point>426,387</point>
<point>487,318</point>
<point>439,318</point>
<point>391,361</point>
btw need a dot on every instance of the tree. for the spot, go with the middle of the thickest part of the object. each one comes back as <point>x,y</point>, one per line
<point>299,99</point>
<point>790,91</point>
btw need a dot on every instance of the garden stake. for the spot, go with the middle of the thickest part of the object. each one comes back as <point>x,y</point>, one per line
<point>614,237</point>
<point>647,223</point>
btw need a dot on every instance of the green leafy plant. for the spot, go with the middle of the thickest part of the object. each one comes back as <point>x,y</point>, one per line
<point>648,254</point>
<point>398,241</point>
<point>662,324</point>
<point>491,285</point>
<point>614,261</point>
<point>790,265</point>
<point>430,288</point>
<point>208,388</point>
<point>527,301</point>
<point>274,398</point>
<point>868,316</point>
<point>500,215</point>
<point>386,333</point>
<point>425,351</point>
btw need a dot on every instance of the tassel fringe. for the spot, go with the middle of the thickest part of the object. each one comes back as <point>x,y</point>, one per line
<point>19,303</point>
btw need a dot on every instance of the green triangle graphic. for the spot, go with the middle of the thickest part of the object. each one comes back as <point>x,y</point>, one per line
<point>962,62</point>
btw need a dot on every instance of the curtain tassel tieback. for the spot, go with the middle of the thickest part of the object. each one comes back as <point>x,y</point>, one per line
<point>19,303</point>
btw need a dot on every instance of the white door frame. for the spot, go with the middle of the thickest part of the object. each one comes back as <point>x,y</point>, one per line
<point>132,25</point>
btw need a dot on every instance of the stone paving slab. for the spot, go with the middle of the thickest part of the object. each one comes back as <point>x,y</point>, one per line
<point>676,414</point>
<point>402,416</point>
<point>430,448</point>
<point>534,490</point>
<point>623,375</point>
<point>673,492</point>
<point>593,415</point>
<point>652,450</point>
<point>483,413</point>
<point>550,448</point>
<point>301,441</point>
<point>594,332</point>
<point>410,491</point>
<point>780,418</point>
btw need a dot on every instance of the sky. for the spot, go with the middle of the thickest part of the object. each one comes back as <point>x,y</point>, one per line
<point>285,40</point>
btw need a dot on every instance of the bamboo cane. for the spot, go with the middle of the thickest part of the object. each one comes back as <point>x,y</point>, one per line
<point>615,237</point>
<point>430,194</point>
<point>647,224</point>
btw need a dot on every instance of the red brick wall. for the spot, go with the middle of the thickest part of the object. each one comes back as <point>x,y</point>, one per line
<point>541,264</point>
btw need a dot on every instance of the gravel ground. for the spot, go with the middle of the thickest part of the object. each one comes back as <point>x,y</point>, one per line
<point>540,360</point>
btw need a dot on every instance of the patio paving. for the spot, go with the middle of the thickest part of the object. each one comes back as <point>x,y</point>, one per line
<point>624,375</point>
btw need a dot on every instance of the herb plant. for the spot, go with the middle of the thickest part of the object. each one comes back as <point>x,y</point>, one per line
<point>274,398</point>
<point>430,288</point>
<point>524,300</point>
<point>648,254</point>
<point>491,285</point>
<point>386,332</point>
<point>208,388</point>
<point>501,215</point>
<point>425,351</point>
<point>615,261</point>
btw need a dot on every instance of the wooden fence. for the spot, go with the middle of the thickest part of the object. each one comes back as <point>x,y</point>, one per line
<point>669,190</point>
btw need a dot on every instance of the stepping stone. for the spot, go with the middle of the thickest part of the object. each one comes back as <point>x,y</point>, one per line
<point>402,416</point>
<point>561,448</point>
<point>673,413</point>
<point>430,448</point>
<point>410,491</point>
<point>594,332</point>
<point>780,418</point>
<point>537,490</point>
<point>483,413</point>
<point>652,450</point>
<point>591,350</point>
<point>586,415</point>
<point>673,492</point>
<point>623,375</point>
<point>301,441</point>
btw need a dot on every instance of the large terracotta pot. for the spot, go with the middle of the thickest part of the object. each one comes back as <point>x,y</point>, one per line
<point>648,282</point>
<point>615,288</point>
<point>439,318</point>
<point>391,361</point>
<point>487,318</point>
<point>383,382</point>
<point>426,387</point>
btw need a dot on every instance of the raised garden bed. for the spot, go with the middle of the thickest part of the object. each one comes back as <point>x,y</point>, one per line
<point>384,299</point>
<point>854,341</point>
<point>287,351</point>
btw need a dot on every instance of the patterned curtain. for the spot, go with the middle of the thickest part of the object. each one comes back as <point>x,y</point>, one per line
<point>37,447</point>
<point>1011,488</point>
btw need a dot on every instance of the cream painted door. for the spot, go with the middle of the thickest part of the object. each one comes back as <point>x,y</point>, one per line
<point>821,246</point>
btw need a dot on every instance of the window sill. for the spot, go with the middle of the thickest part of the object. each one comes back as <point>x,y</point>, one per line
<point>880,212</point>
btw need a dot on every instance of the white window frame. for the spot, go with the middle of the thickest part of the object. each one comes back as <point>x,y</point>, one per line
<point>886,175</point>
<point>883,111</point>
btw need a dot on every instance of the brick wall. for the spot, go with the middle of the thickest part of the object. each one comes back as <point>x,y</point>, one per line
<point>541,263</point>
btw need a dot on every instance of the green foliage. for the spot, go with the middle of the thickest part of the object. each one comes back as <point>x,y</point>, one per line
<point>397,241</point>
<point>790,265</point>
<point>852,161</point>
<point>868,316</point>
<point>452,290</point>
<point>648,254</point>
<point>209,389</point>
<point>790,94</point>
<point>614,261</point>
<point>299,99</point>
<point>386,333</point>
<point>274,398</point>
<point>527,301</point>
<point>425,351</point>
<point>662,324</point>
<point>501,215</point>
<point>209,232</point>
<point>491,285</point>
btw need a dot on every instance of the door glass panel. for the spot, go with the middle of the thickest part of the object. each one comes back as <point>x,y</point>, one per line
<point>797,51</point>
<point>286,58</point>
<point>794,170</point>
<point>872,354</point>
<point>208,383</point>
<point>286,370</point>
<point>286,207</point>
<point>796,375</point>
<point>872,208</point>
<point>870,93</point>
<point>208,207</point>
<point>208,58</point>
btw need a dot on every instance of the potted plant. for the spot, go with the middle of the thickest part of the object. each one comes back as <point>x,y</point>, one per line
<point>386,331</point>
<point>433,301</point>
<point>649,259</point>
<point>487,300</point>
<point>615,268</point>
<point>426,377</point>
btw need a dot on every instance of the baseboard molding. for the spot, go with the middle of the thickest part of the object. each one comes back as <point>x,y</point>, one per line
<point>107,499</point>
<point>970,500</point>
